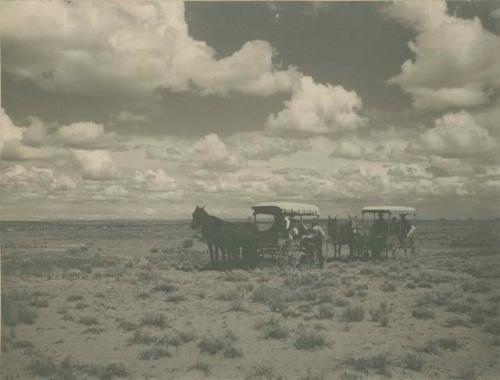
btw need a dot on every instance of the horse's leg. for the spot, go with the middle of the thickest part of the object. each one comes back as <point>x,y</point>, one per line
<point>211,251</point>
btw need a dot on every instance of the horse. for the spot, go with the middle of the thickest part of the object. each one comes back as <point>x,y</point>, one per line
<point>340,234</point>
<point>228,238</point>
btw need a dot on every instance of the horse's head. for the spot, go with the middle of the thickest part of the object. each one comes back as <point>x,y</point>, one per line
<point>199,215</point>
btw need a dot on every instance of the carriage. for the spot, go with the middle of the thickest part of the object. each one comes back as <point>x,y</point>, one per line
<point>274,221</point>
<point>387,231</point>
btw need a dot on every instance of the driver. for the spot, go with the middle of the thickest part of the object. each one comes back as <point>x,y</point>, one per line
<point>380,227</point>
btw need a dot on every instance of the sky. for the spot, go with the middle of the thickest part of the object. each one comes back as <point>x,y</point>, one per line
<point>147,109</point>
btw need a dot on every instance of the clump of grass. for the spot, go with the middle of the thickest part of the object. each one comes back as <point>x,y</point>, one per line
<point>17,311</point>
<point>493,326</point>
<point>467,373</point>
<point>272,328</point>
<point>74,298</point>
<point>457,307</point>
<point>202,367</point>
<point>310,375</point>
<point>341,302</point>
<point>187,243</point>
<point>155,319</point>
<point>227,295</point>
<point>423,313</point>
<point>381,314</point>
<point>413,362</point>
<point>476,287</point>
<point>388,287</point>
<point>47,367</point>
<point>432,346</point>
<point>269,296</point>
<point>325,311</point>
<point>309,340</point>
<point>378,364</point>
<point>263,372</point>
<point>88,321</point>
<point>212,345</point>
<point>154,353</point>
<point>353,314</point>
<point>108,371</point>
<point>165,287</point>
<point>455,322</point>
<point>176,298</point>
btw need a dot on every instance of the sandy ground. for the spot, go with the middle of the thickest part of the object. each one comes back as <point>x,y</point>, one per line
<point>127,300</point>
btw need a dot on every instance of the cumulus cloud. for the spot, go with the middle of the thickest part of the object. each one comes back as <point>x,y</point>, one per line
<point>456,60</point>
<point>212,153</point>
<point>348,149</point>
<point>456,135</point>
<point>259,146</point>
<point>316,108</point>
<point>95,164</point>
<point>14,150</point>
<point>82,135</point>
<point>8,131</point>
<point>155,180</point>
<point>128,49</point>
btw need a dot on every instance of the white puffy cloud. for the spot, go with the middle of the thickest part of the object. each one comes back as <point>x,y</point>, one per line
<point>95,164</point>
<point>155,180</point>
<point>212,153</point>
<point>82,135</point>
<point>316,108</point>
<point>348,149</point>
<point>128,49</point>
<point>456,135</point>
<point>456,60</point>
<point>259,146</point>
<point>14,150</point>
<point>8,131</point>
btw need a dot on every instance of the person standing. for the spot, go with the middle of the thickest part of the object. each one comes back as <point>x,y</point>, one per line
<point>318,236</point>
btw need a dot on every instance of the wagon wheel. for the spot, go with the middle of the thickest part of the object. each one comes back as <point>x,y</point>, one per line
<point>288,256</point>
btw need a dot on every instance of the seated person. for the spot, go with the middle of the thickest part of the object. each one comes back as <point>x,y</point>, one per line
<point>380,227</point>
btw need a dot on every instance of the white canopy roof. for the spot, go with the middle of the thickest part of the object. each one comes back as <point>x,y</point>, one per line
<point>289,208</point>
<point>390,209</point>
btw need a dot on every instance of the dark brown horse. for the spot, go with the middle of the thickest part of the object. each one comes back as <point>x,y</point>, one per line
<point>340,234</point>
<point>227,238</point>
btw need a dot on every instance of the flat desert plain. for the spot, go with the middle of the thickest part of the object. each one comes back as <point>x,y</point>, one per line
<point>122,299</point>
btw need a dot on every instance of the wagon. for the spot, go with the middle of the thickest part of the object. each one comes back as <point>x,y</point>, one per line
<point>275,222</point>
<point>387,230</point>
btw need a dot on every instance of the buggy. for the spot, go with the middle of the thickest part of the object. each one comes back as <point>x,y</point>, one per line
<point>282,234</point>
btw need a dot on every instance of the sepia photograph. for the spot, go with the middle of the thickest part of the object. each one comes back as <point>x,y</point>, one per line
<point>254,190</point>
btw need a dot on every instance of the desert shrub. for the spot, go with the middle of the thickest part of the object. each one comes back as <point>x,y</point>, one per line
<point>140,337</point>
<point>309,340</point>
<point>74,297</point>
<point>263,372</point>
<point>227,295</point>
<point>457,307</point>
<point>381,314</point>
<point>476,287</point>
<point>467,373</point>
<point>202,367</point>
<point>455,321</point>
<point>108,371</point>
<point>353,314</point>
<point>341,302</point>
<point>493,326</point>
<point>378,364</point>
<point>273,328</point>
<point>310,375</point>
<point>413,362</point>
<point>215,344</point>
<point>176,298</point>
<point>476,316</point>
<point>366,271</point>
<point>16,310</point>
<point>126,325</point>
<point>47,367</point>
<point>432,346</point>
<point>269,296</point>
<point>155,319</point>
<point>187,243</point>
<point>423,313</point>
<point>22,344</point>
<point>154,353</point>
<point>165,287</point>
<point>325,311</point>
<point>88,321</point>
<point>388,287</point>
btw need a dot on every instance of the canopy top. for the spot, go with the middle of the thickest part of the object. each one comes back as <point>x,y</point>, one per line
<point>285,208</point>
<point>389,209</point>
